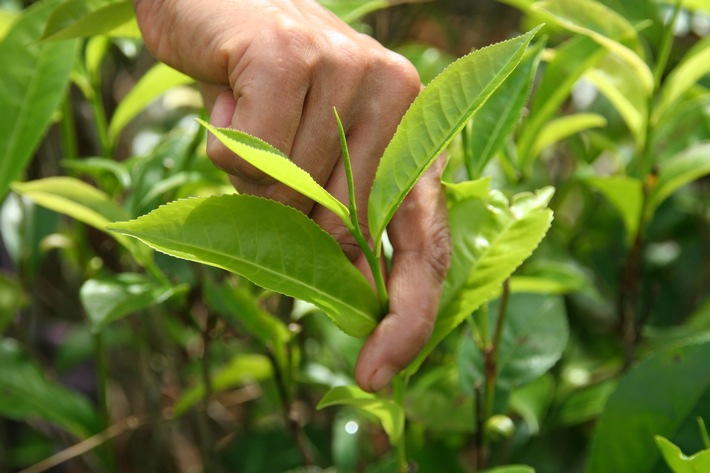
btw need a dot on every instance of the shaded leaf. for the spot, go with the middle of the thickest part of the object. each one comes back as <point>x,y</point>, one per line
<point>273,162</point>
<point>31,91</point>
<point>241,369</point>
<point>111,298</point>
<point>272,245</point>
<point>491,238</point>
<point>436,116</point>
<point>156,81</point>
<point>626,195</point>
<point>389,413</point>
<point>12,299</point>
<point>26,394</point>
<point>662,395</point>
<point>534,336</point>
<point>678,171</point>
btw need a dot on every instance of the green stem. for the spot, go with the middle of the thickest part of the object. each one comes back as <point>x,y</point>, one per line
<point>68,130</point>
<point>491,354</point>
<point>102,397</point>
<point>666,45</point>
<point>373,257</point>
<point>97,106</point>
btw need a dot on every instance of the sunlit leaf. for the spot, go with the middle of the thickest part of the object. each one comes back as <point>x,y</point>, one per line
<point>662,395</point>
<point>277,165</point>
<point>491,238</point>
<point>498,117</point>
<point>32,89</point>
<point>436,116</point>
<point>27,394</point>
<point>352,10</point>
<point>85,18</point>
<point>619,84</point>
<point>272,245</point>
<point>241,369</point>
<point>680,463</point>
<point>111,298</point>
<point>7,18</point>
<point>626,195</point>
<point>80,201</point>
<point>562,72</point>
<point>564,127</point>
<point>511,469</point>
<point>156,81</point>
<point>693,67</point>
<point>678,171</point>
<point>604,26</point>
<point>388,412</point>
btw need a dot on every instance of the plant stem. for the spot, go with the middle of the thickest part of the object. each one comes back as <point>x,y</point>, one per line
<point>207,442</point>
<point>480,445</point>
<point>666,45</point>
<point>68,130</point>
<point>373,257</point>
<point>491,354</point>
<point>102,395</point>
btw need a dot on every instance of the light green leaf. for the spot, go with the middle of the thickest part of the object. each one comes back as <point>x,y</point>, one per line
<point>272,245</point>
<point>243,368</point>
<point>85,18</point>
<point>26,394</point>
<point>691,5</point>
<point>12,299</point>
<point>694,66</point>
<point>389,413</point>
<point>497,118</point>
<point>618,83</point>
<point>662,395</point>
<point>352,10</point>
<point>156,81</point>
<point>562,72</point>
<point>97,167</point>
<point>82,202</point>
<point>678,171</point>
<point>111,298</point>
<point>534,336</point>
<point>564,127</point>
<point>490,239</point>
<point>626,195</point>
<point>678,462</point>
<point>511,469</point>
<point>32,89</point>
<point>604,26</point>
<point>434,119</point>
<point>273,162</point>
<point>7,18</point>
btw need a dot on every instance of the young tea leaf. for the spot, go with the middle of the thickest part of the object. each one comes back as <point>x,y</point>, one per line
<point>490,239</point>
<point>273,162</point>
<point>680,463</point>
<point>436,116</point>
<point>561,128</point>
<point>34,80</point>
<point>272,245</point>
<point>389,413</point>
<point>626,195</point>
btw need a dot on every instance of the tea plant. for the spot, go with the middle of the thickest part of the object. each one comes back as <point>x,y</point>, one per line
<point>588,355</point>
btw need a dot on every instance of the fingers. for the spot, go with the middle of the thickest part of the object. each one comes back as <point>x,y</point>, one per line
<point>422,249</point>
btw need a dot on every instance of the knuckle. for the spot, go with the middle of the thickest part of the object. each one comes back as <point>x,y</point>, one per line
<point>438,253</point>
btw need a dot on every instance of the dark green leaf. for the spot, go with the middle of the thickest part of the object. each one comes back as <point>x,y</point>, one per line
<point>12,299</point>
<point>663,395</point>
<point>32,89</point>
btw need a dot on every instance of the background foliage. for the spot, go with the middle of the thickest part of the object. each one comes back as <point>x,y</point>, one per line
<point>590,356</point>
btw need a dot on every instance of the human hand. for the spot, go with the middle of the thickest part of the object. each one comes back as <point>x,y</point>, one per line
<point>275,69</point>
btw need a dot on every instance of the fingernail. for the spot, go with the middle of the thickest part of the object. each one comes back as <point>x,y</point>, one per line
<point>381,377</point>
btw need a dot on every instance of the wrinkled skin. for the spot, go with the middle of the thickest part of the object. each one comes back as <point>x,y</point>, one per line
<point>275,69</point>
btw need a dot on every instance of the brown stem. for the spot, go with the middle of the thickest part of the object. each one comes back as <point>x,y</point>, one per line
<point>480,446</point>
